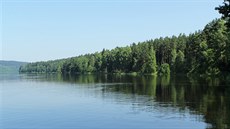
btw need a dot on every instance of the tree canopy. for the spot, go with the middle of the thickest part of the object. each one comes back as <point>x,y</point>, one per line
<point>205,52</point>
<point>225,10</point>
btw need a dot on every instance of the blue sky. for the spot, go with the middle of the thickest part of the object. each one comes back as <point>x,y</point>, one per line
<point>40,30</point>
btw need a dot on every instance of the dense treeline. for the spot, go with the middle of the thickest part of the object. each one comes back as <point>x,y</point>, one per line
<point>43,67</point>
<point>203,52</point>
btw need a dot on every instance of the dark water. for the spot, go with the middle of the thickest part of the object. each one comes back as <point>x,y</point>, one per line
<point>113,102</point>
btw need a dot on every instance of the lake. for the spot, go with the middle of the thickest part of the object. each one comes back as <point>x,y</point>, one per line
<point>113,102</point>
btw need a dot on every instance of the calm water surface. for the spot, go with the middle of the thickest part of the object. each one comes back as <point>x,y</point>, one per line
<point>113,102</point>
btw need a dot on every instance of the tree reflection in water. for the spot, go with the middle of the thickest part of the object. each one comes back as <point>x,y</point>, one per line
<point>207,97</point>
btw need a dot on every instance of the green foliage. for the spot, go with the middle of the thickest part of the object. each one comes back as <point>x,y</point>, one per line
<point>150,66</point>
<point>203,52</point>
<point>164,69</point>
<point>208,50</point>
<point>42,67</point>
<point>225,11</point>
<point>179,63</point>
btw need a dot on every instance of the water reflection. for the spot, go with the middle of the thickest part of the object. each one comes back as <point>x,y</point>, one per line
<point>207,99</point>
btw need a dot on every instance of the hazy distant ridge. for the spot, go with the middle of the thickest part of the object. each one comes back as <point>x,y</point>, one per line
<point>10,66</point>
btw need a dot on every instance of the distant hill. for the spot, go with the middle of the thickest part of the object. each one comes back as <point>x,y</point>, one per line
<point>10,66</point>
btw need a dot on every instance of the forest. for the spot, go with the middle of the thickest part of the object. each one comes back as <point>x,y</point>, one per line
<point>204,52</point>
